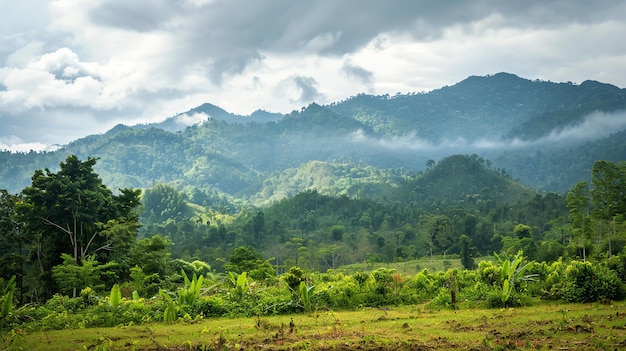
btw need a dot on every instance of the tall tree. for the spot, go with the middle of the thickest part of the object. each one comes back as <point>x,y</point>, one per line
<point>73,212</point>
<point>523,231</point>
<point>466,253</point>
<point>578,205</point>
<point>608,193</point>
<point>12,241</point>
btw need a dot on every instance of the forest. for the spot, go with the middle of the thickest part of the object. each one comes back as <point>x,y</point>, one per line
<point>76,254</point>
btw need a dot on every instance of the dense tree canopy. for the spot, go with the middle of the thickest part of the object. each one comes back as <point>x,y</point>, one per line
<point>72,212</point>
<point>79,233</point>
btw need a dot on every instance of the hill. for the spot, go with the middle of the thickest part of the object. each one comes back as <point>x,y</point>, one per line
<point>557,129</point>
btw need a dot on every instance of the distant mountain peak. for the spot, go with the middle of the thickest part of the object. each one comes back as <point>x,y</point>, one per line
<point>593,84</point>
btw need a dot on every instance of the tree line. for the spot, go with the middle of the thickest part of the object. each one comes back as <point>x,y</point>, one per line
<point>67,230</point>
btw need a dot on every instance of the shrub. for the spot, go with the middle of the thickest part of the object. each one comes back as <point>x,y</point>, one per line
<point>212,306</point>
<point>490,273</point>
<point>585,282</point>
<point>617,263</point>
<point>293,278</point>
<point>442,299</point>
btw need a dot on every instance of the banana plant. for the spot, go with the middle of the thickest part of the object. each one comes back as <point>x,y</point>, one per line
<point>305,293</point>
<point>169,314</point>
<point>6,300</point>
<point>239,283</point>
<point>192,290</point>
<point>115,296</point>
<point>512,273</point>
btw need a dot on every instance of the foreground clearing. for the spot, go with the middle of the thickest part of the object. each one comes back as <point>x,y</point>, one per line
<point>545,326</point>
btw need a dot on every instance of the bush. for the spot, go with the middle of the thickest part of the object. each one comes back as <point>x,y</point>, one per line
<point>516,299</point>
<point>212,306</point>
<point>585,282</point>
<point>443,299</point>
<point>490,273</point>
<point>617,263</point>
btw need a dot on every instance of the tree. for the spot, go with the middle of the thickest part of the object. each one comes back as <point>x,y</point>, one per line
<point>152,255</point>
<point>258,224</point>
<point>465,244</point>
<point>522,231</point>
<point>438,230</point>
<point>578,205</point>
<point>337,232</point>
<point>609,188</point>
<point>247,259</point>
<point>72,277</point>
<point>163,202</point>
<point>608,193</point>
<point>73,212</point>
<point>12,240</point>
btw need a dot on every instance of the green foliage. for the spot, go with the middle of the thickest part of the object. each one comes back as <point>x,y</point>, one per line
<point>163,202</point>
<point>247,259</point>
<point>6,300</point>
<point>294,278</point>
<point>71,212</point>
<point>190,293</point>
<point>241,296</point>
<point>171,310</point>
<point>512,274</point>
<point>523,231</point>
<point>383,285</point>
<point>116,296</point>
<point>239,284</point>
<point>349,213</point>
<point>144,284</point>
<point>152,255</point>
<point>305,293</point>
<point>72,277</point>
<point>586,282</point>
<point>466,252</point>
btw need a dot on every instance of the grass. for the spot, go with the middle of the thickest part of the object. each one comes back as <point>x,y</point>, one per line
<point>544,326</point>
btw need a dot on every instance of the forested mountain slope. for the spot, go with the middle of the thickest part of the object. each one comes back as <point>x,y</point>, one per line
<point>545,134</point>
<point>498,106</point>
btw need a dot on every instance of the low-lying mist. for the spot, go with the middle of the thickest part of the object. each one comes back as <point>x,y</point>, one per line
<point>594,126</point>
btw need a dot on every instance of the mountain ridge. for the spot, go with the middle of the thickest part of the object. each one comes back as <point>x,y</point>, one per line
<point>501,117</point>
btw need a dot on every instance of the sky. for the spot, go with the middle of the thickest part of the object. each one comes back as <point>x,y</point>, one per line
<point>72,68</point>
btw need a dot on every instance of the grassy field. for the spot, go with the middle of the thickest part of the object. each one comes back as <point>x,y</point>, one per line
<point>541,327</point>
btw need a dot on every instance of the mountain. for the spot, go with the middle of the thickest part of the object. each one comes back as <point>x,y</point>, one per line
<point>208,111</point>
<point>546,135</point>
<point>501,106</point>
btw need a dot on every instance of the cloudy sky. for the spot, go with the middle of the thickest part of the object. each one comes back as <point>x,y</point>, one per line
<point>70,68</point>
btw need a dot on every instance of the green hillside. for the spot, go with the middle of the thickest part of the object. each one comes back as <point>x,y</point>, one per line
<point>502,118</point>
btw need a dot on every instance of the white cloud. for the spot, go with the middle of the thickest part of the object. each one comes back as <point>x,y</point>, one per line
<point>15,144</point>
<point>594,126</point>
<point>187,119</point>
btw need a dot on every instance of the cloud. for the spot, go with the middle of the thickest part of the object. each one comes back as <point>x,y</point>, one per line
<point>132,15</point>
<point>359,73</point>
<point>186,119</point>
<point>15,144</point>
<point>133,62</point>
<point>594,126</point>
<point>299,89</point>
<point>55,79</point>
